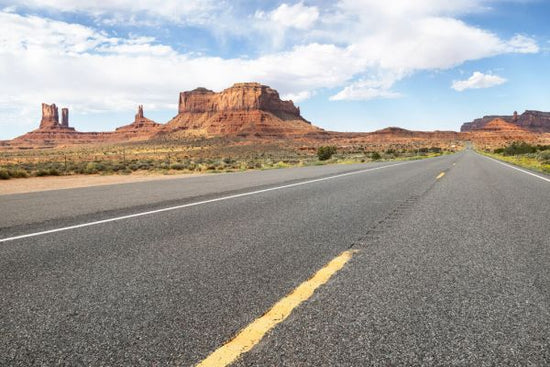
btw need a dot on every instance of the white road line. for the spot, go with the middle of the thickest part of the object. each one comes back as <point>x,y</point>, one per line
<point>196,203</point>
<point>517,169</point>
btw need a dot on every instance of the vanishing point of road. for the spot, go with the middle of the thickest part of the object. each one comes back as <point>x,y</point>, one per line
<point>442,261</point>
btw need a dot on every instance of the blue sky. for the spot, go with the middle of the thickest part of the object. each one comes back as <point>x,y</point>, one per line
<point>351,65</point>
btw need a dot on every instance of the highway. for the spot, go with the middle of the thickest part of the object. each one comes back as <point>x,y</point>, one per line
<point>442,261</point>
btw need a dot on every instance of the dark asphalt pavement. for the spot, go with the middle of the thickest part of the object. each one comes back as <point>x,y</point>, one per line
<point>451,271</point>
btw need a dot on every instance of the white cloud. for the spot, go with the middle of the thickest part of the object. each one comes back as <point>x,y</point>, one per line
<point>118,11</point>
<point>478,80</point>
<point>296,16</point>
<point>361,47</point>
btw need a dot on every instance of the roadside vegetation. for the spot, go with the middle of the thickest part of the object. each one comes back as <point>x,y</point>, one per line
<point>196,158</point>
<point>535,157</point>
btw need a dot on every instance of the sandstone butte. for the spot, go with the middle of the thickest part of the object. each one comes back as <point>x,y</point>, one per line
<point>534,121</point>
<point>256,111</point>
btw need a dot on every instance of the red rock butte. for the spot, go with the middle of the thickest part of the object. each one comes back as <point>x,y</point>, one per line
<point>534,121</point>
<point>245,109</point>
<point>254,110</point>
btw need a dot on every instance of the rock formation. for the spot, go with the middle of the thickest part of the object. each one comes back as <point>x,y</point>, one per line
<point>240,97</point>
<point>534,121</point>
<point>245,109</point>
<point>64,117</point>
<point>139,114</point>
<point>50,116</point>
<point>141,129</point>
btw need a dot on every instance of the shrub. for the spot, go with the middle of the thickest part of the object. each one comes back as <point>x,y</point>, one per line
<point>4,174</point>
<point>519,148</point>
<point>375,156</point>
<point>178,166</point>
<point>544,157</point>
<point>325,152</point>
<point>54,172</point>
<point>18,173</point>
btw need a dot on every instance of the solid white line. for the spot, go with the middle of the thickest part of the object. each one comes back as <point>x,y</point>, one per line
<point>516,168</point>
<point>196,203</point>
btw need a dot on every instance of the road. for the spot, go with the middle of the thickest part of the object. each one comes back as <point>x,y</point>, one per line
<point>448,264</point>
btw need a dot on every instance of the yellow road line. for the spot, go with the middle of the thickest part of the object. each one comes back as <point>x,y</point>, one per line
<point>440,175</point>
<point>247,338</point>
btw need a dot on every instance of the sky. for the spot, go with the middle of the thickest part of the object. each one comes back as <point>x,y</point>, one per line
<point>351,65</point>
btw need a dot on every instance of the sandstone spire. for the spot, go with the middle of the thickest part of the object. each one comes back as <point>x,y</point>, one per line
<point>50,116</point>
<point>139,114</point>
<point>64,117</point>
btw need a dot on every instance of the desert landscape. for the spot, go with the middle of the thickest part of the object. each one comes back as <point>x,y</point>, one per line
<point>246,126</point>
<point>274,183</point>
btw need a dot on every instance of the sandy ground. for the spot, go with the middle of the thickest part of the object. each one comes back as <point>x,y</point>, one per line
<point>34,184</point>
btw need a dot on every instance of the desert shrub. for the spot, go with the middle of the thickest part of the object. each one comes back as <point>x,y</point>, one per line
<point>435,149</point>
<point>375,156</point>
<point>498,151</point>
<point>544,157</point>
<point>325,152</point>
<point>4,174</point>
<point>517,148</point>
<point>54,172</point>
<point>41,173</point>
<point>178,166</point>
<point>18,173</point>
<point>423,150</point>
<point>390,151</point>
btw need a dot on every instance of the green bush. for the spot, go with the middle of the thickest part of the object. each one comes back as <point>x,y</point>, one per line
<point>4,174</point>
<point>325,152</point>
<point>375,156</point>
<point>519,148</point>
<point>18,173</point>
<point>544,157</point>
<point>54,172</point>
<point>178,166</point>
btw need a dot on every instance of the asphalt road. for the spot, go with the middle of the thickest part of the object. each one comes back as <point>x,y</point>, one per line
<point>449,271</point>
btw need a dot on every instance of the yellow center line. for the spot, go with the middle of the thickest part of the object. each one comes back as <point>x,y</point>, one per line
<point>251,335</point>
<point>440,175</point>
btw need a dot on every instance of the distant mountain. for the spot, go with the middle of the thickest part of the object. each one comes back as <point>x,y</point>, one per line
<point>534,121</point>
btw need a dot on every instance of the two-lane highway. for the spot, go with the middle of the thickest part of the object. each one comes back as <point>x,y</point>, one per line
<point>448,264</point>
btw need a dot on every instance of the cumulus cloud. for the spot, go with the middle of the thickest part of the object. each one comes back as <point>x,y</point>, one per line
<point>296,16</point>
<point>478,80</point>
<point>361,48</point>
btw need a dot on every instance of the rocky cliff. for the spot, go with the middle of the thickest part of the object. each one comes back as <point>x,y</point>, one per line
<point>534,121</point>
<point>245,109</point>
<point>240,97</point>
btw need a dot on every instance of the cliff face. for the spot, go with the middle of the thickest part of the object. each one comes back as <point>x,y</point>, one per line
<point>245,109</point>
<point>534,121</point>
<point>50,118</point>
<point>240,97</point>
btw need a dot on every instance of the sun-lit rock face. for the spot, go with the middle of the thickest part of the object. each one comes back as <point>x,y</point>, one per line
<point>50,116</point>
<point>240,97</point>
<point>245,109</point>
<point>534,121</point>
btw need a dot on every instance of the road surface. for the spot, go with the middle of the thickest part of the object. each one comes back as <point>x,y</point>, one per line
<point>448,264</point>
